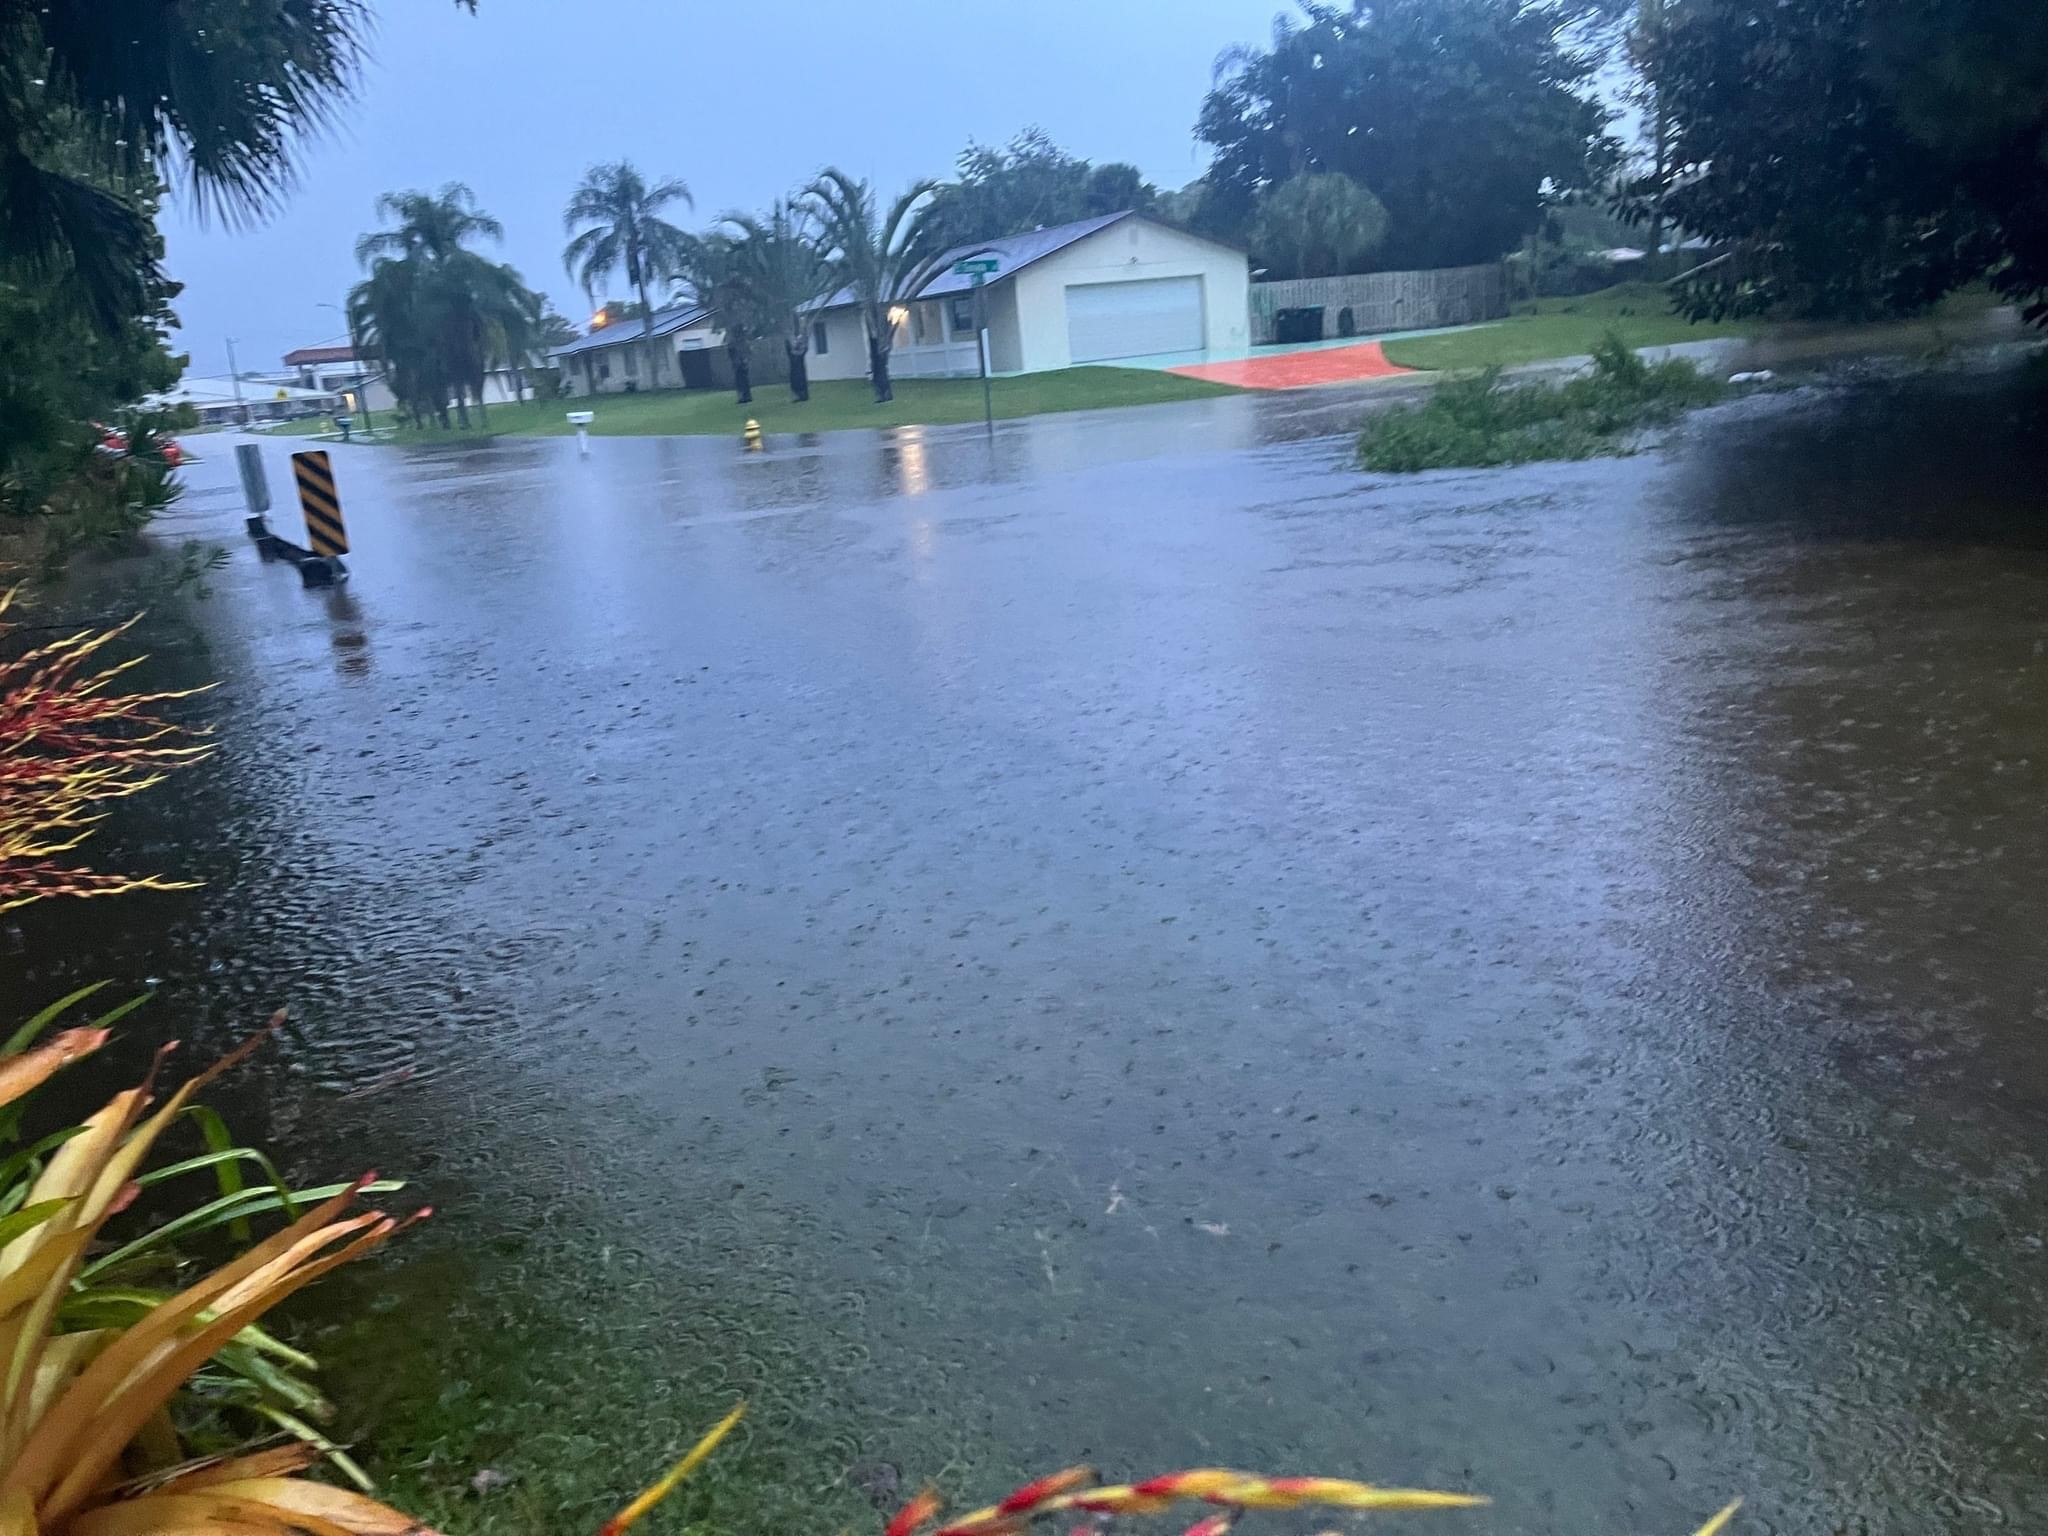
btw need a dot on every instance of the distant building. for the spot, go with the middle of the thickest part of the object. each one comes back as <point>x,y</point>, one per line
<point>689,353</point>
<point>216,402</point>
<point>360,382</point>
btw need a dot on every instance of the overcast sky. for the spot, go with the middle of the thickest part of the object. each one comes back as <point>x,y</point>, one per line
<point>743,99</point>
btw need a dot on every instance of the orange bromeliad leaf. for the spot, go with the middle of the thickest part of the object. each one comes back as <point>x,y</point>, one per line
<point>70,741</point>
<point>35,1066</point>
<point>696,1457</point>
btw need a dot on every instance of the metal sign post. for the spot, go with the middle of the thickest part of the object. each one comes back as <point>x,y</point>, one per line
<point>976,269</point>
<point>255,487</point>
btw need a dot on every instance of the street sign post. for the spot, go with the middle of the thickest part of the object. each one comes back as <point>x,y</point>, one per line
<point>977,270</point>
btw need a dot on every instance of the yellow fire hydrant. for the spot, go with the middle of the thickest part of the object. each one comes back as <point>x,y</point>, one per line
<point>751,435</point>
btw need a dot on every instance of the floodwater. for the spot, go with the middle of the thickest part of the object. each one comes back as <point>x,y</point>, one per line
<point>1529,980</point>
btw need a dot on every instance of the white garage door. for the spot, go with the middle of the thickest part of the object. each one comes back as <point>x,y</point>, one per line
<point>1159,314</point>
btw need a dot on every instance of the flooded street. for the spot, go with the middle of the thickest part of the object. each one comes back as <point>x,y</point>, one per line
<point>1173,951</point>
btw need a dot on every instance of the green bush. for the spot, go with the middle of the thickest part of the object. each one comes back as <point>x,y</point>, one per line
<point>1476,421</point>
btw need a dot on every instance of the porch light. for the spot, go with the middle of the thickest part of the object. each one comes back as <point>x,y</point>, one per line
<point>898,314</point>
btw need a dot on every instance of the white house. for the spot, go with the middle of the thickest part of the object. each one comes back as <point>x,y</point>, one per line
<point>359,382</point>
<point>689,353</point>
<point>1121,285</point>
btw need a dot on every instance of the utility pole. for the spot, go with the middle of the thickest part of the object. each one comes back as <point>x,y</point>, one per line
<point>235,378</point>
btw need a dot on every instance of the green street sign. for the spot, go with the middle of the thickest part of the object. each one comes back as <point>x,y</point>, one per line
<point>969,266</point>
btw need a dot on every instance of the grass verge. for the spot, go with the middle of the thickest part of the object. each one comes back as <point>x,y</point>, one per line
<point>835,405</point>
<point>1476,421</point>
<point>1639,313</point>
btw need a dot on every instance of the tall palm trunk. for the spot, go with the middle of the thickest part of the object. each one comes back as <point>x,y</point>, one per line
<point>461,410</point>
<point>639,265</point>
<point>799,370</point>
<point>878,367</point>
<point>483,410</point>
<point>742,371</point>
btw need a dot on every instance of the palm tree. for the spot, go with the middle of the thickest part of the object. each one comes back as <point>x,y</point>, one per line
<point>874,255</point>
<point>615,219</point>
<point>438,313</point>
<point>100,95</point>
<point>786,269</point>
<point>710,270</point>
<point>435,226</point>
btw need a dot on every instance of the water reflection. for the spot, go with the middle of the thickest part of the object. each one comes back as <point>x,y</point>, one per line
<point>348,635</point>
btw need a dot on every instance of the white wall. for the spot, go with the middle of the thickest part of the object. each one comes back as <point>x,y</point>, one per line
<point>847,357</point>
<point>1130,250</point>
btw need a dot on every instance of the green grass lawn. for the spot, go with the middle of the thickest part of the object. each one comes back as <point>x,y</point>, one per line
<point>834,405</point>
<point>1639,312</point>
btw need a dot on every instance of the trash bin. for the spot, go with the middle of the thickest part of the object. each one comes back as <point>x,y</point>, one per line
<point>344,423</point>
<point>1302,324</point>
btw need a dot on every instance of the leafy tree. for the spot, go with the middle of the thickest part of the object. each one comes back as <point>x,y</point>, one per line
<point>1858,157</point>
<point>556,329</point>
<point>1465,117</point>
<point>438,313</point>
<point>615,219</point>
<point>1027,183</point>
<point>1114,186</point>
<point>786,268</point>
<point>68,366</point>
<point>879,256</point>
<point>1318,225</point>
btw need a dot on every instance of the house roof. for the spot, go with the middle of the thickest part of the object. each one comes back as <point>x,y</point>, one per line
<point>1014,252</point>
<point>314,357</point>
<point>667,322</point>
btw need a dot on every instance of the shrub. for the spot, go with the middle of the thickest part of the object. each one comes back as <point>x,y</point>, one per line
<point>93,1448</point>
<point>1476,421</point>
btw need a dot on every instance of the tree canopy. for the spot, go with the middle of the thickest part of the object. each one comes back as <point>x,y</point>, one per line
<point>1858,157</point>
<point>1317,225</point>
<point>1464,117</point>
<point>881,256</point>
<point>437,313</point>
<point>783,263</point>
<point>1024,184</point>
<point>615,220</point>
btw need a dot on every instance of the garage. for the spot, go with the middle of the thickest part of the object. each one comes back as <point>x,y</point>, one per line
<point>1134,319</point>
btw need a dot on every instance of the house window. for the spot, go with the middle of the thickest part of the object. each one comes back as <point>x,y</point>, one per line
<point>963,314</point>
<point>924,321</point>
<point>632,364</point>
<point>821,339</point>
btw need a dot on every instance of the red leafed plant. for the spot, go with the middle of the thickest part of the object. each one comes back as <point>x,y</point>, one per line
<point>71,740</point>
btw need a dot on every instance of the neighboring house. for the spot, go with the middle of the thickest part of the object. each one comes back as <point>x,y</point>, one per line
<point>216,404</point>
<point>1122,285</point>
<point>336,370</point>
<point>689,353</point>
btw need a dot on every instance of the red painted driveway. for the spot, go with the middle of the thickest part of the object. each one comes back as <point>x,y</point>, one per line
<point>1298,370</point>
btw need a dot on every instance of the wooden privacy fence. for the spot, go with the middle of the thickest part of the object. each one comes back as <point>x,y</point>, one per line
<point>1386,301</point>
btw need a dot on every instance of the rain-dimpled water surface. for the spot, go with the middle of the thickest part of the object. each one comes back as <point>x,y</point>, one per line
<point>1523,980</point>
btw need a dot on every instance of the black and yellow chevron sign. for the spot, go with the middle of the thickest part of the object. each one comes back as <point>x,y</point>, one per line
<point>325,532</point>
